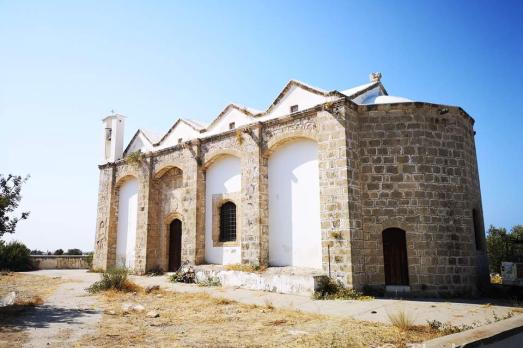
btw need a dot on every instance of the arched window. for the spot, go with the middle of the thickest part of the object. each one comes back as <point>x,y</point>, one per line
<point>228,222</point>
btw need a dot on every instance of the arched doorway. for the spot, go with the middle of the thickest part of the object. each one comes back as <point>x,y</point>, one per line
<point>395,257</point>
<point>175,245</point>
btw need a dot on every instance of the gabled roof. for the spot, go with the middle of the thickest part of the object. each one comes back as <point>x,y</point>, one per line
<point>295,83</point>
<point>138,132</point>
<point>194,125</point>
<point>249,112</point>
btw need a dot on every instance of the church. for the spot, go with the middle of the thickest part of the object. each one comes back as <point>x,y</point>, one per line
<point>379,191</point>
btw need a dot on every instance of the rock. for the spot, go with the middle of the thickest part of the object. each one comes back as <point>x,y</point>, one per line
<point>138,308</point>
<point>127,307</point>
<point>152,314</point>
<point>8,300</point>
<point>110,312</point>
<point>151,288</point>
<point>159,295</point>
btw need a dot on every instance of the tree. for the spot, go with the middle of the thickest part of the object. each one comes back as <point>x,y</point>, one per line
<point>10,188</point>
<point>37,252</point>
<point>501,246</point>
<point>74,252</point>
<point>59,252</point>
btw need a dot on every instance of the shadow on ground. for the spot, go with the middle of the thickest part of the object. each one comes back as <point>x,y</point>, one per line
<point>17,318</point>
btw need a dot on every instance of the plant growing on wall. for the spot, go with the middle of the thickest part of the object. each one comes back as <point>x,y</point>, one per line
<point>239,138</point>
<point>134,158</point>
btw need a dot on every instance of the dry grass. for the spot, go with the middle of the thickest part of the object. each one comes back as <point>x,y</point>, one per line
<point>401,319</point>
<point>30,291</point>
<point>200,320</point>
<point>246,268</point>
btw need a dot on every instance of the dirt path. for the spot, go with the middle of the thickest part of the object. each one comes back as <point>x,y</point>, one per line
<point>65,316</point>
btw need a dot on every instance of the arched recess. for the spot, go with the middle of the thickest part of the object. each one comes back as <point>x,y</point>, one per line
<point>216,156</point>
<point>222,184</point>
<point>294,204</point>
<point>395,260</point>
<point>127,188</point>
<point>281,139</point>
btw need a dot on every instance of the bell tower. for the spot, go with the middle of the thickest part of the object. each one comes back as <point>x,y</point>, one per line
<point>113,137</point>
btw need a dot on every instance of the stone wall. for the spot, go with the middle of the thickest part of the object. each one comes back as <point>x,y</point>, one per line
<point>410,166</point>
<point>60,261</point>
<point>419,173</point>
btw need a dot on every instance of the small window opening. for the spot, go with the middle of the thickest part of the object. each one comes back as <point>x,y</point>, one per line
<point>108,134</point>
<point>477,230</point>
<point>228,222</point>
<point>180,140</point>
<point>232,125</point>
<point>294,108</point>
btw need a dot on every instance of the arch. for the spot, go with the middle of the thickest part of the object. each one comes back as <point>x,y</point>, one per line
<point>395,260</point>
<point>281,139</point>
<point>165,167</point>
<point>127,215</point>
<point>123,179</point>
<point>294,204</point>
<point>212,157</point>
<point>172,216</point>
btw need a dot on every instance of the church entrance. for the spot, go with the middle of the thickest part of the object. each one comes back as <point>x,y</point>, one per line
<point>395,257</point>
<point>175,245</point>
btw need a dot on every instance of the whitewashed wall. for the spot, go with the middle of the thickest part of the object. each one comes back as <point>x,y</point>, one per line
<point>294,205</point>
<point>126,228</point>
<point>182,130</point>
<point>223,176</point>
<point>296,96</point>
<point>232,115</point>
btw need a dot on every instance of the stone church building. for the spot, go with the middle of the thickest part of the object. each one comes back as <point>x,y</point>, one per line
<point>380,191</point>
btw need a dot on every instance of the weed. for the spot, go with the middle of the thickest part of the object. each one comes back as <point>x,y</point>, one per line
<point>113,279</point>
<point>401,319</point>
<point>268,304</point>
<point>223,301</point>
<point>134,158</point>
<point>335,290</point>
<point>209,281</point>
<point>246,267</point>
<point>155,271</point>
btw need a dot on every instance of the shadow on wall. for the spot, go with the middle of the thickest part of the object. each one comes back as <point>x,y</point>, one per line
<point>294,205</point>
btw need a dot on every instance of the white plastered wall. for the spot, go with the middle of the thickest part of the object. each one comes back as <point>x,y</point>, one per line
<point>183,131</point>
<point>126,228</point>
<point>232,115</point>
<point>139,143</point>
<point>296,96</point>
<point>223,176</point>
<point>294,206</point>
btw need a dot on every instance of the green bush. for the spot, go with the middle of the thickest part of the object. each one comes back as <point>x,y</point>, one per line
<point>335,290</point>
<point>14,257</point>
<point>112,279</point>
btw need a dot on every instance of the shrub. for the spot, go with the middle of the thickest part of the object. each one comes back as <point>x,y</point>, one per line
<point>401,319</point>
<point>14,256</point>
<point>74,252</point>
<point>210,281</point>
<point>335,290</point>
<point>113,279</point>
<point>59,252</point>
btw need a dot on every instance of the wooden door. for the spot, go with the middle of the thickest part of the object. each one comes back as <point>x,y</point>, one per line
<point>175,245</point>
<point>395,257</point>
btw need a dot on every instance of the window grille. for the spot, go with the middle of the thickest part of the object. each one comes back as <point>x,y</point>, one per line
<point>228,222</point>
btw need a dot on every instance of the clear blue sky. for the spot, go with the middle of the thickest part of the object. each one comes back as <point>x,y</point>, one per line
<point>65,64</point>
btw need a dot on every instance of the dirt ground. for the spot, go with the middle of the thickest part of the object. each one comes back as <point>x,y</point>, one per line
<point>200,320</point>
<point>31,290</point>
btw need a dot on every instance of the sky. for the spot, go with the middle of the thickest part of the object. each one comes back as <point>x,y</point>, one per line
<point>64,65</point>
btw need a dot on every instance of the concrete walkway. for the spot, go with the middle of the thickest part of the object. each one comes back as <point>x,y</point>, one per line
<point>67,314</point>
<point>454,312</point>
